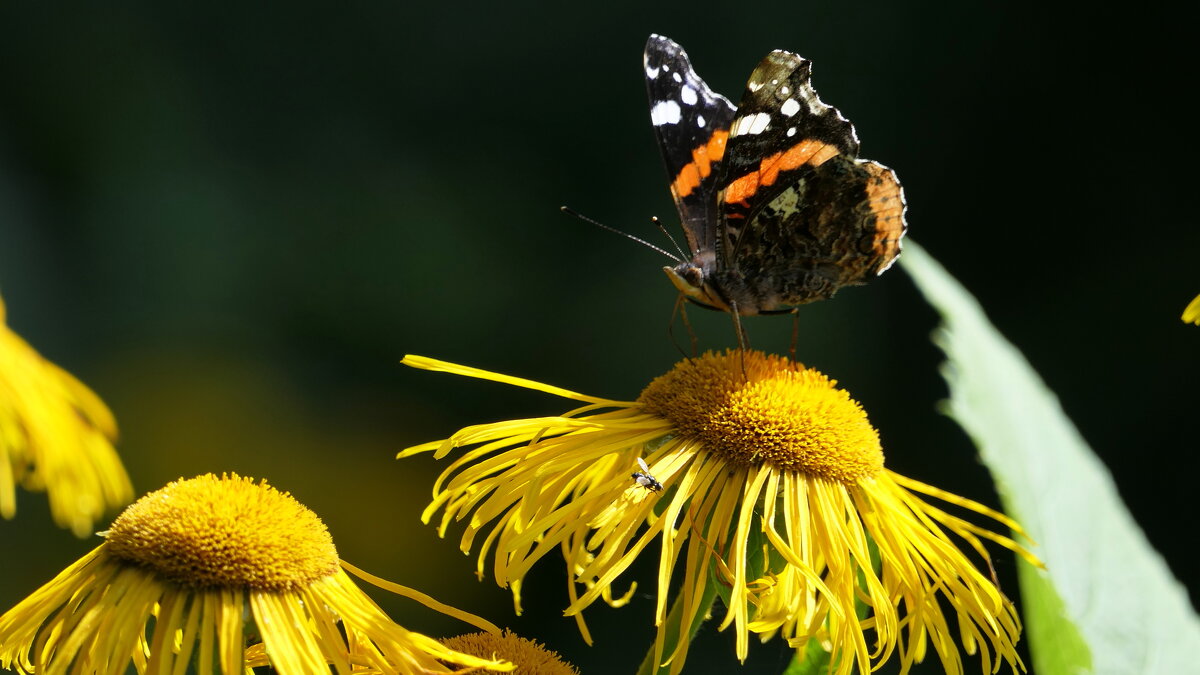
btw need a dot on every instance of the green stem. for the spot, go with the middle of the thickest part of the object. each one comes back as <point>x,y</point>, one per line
<point>674,619</point>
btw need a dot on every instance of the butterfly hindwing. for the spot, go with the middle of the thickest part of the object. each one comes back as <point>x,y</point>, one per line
<point>832,225</point>
<point>691,122</point>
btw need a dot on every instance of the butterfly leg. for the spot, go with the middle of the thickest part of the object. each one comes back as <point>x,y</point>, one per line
<point>743,338</point>
<point>680,310</point>
<point>687,323</point>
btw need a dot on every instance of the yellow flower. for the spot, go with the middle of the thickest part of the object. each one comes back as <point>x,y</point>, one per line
<point>197,559</point>
<point>774,496</point>
<point>1191,313</point>
<point>55,435</point>
<point>528,656</point>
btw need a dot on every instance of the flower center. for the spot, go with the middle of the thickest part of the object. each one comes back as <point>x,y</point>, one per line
<point>756,408</point>
<point>225,532</point>
<point>531,658</point>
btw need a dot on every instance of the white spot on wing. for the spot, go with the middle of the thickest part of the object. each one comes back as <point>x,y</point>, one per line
<point>688,95</point>
<point>677,77</point>
<point>761,120</point>
<point>790,107</point>
<point>788,201</point>
<point>791,132</point>
<point>815,104</point>
<point>754,86</point>
<point>785,90</point>
<point>700,121</point>
<point>651,72</point>
<point>750,124</point>
<point>665,112</point>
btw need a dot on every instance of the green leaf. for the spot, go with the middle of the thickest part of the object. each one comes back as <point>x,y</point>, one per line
<point>813,661</point>
<point>1106,602</point>
<point>672,637</point>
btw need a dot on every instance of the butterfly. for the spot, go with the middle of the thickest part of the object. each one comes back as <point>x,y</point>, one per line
<point>777,208</point>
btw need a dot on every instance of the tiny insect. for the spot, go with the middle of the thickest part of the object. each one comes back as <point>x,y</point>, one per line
<point>644,478</point>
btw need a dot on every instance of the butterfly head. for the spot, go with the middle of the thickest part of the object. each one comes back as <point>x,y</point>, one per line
<point>693,283</point>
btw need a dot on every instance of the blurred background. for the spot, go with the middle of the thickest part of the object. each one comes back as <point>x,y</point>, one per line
<point>233,221</point>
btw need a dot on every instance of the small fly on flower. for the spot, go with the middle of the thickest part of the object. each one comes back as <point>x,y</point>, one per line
<point>644,478</point>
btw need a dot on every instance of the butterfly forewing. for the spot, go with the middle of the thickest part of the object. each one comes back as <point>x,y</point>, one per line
<point>691,122</point>
<point>782,130</point>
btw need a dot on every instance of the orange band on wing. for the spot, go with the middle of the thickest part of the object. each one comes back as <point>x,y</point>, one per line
<point>700,167</point>
<point>808,151</point>
<point>887,203</point>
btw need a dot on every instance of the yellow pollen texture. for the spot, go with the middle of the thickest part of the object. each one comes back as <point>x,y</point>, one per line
<point>531,658</point>
<point>224,532</point>
<point>756,408</point>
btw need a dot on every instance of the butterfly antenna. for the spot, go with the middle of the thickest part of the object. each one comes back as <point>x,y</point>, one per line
<point>661,228</point>
<point>571,212</point>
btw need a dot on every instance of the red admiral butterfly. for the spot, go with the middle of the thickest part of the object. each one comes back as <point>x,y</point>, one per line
<point>777,208</point>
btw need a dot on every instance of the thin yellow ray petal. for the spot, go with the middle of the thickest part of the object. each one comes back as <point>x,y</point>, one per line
<point>229,629</point>
<point>188,636</point>
<point>289,643</point>
<point>952,498</point>
<point>425,363</point>
<point>428,601</point>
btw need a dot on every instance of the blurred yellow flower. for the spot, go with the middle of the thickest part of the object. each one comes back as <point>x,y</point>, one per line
<point>1191,313</point>
<point>55,435</point>
<point>774,495</point>
<point>528,656</point>
<point>181,571</point>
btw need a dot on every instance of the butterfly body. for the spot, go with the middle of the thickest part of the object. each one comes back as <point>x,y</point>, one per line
<point>777,207</point>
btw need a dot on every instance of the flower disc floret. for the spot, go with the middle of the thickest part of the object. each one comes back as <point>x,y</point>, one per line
<point>530,657</point>
<point>756,408</point>
<point>212,532</point>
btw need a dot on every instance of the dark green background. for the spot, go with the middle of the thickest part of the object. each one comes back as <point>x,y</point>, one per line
<point>233,221</point>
